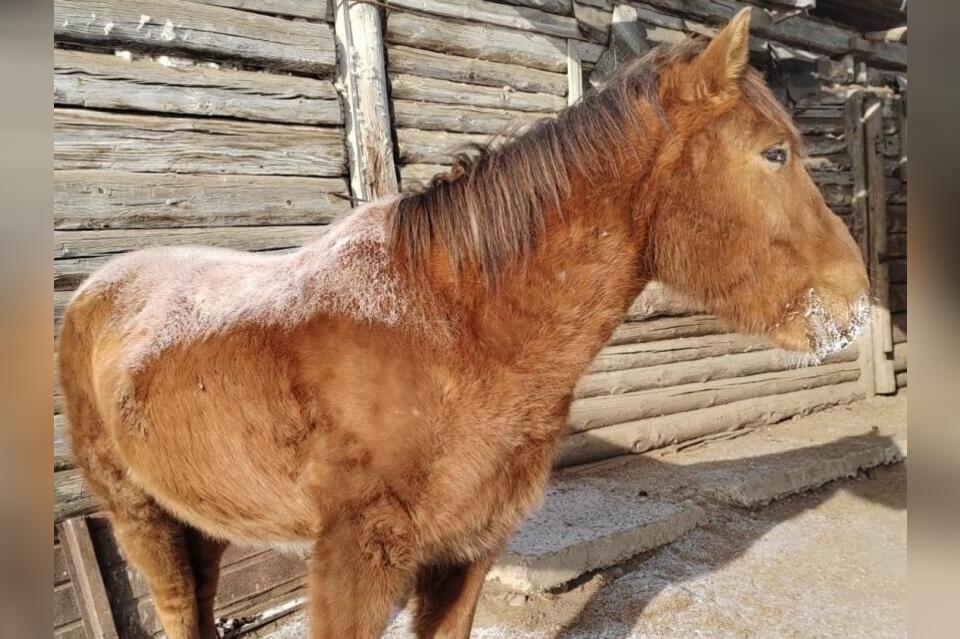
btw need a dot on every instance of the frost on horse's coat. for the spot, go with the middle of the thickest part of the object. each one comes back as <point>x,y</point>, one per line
<point>176,295</point>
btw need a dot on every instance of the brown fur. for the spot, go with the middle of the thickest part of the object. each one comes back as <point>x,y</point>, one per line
<point>405,452</point>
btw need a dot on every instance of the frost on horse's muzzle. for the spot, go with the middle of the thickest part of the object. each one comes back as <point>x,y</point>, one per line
<point>831,327</point>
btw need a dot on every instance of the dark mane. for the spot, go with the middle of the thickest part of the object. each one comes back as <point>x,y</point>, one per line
<point>489,209</point>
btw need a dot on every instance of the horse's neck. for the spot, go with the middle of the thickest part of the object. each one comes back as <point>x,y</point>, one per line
<point>552,314</point>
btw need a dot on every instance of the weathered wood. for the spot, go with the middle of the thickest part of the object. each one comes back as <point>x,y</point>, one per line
<point>881,329</point>
<point>197,29</point>
<point>798,30</point>
<point>66,608</point>
<point>899,321</point>
<point>667,328</point>
<point>70,496</point>
<point>524,18</point>
<point>648,434</point>
<point>900,357</point>
<point>464,119</point>
<point>144,143</point>
<point>85,576</point>
<point>727,366</point>
<point>589,52</point>
<point>363,72</point>
<point>90,200</point>
<point>102,81</point>
<point>561,7</point>
<point>442,66</point>
<point>312,10</point>
<point>667,351</point>
<point>898,300</point>
<point>898,271</point>
<point>435,147</point>
<point>408,87</point>
<point>574,73</point>
<point>483,41</point>
<point>62,457</point>
<point>111,241</point>
<point>594,22</point>
<point>657,300</point>
<point>420,174</point>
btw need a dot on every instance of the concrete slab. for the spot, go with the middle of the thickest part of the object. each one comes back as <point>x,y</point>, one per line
<point>753,468</point>
<point>585,526</point>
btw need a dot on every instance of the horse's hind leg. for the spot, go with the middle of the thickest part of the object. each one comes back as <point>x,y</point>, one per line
<point>446,599</point>
<point>205,554</point>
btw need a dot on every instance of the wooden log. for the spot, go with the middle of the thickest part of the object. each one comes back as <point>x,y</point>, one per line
<point>313,10</point>
<point>900,357</point>
<point>901,380</point>
<point>197,29</point>
<point>435,147</point>
<point>881,329</point>
<point>676,373</point>
<point>594,22</point>
<point>898,271</point>
<point>144,143</point>
<point>90,200</point>
<point>408,87</point>
<point>657,300</point>
<point>482,41</point>
<point>363,75</point>
<point>897,245</point>
<point>524,18</point>
<point>561,7</point>
<point>797,30</point>
<point>648,434</point>
<point>111,241</point>
<point>667,351</point>
<point>415,175</point>
<point>442,66</point>
<point>62,457</point>
<point>899,321</point>
<point>70,495</point>
<point>667,328</point>
<point>101,81</point>
<point>898,298</point>
<point>588,52</point>
<point>85,576</point>
<point>464,119</point>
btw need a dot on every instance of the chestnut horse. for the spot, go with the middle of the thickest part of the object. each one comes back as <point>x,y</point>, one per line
<point>391,396</point>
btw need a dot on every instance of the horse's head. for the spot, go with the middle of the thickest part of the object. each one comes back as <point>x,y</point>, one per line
<point>740,224</point>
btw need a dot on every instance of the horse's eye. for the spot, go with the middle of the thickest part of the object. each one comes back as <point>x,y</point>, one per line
<point>776,154</point>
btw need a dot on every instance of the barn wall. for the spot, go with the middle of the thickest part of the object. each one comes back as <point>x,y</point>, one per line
<point>219,122</point>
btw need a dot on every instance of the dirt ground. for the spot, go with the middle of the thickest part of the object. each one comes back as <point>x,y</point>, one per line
<point>826,563</point>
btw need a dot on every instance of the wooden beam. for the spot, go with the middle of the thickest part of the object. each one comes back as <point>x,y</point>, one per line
<point>85,575</point>
<point>198,29</point>
<point>524,18</point>
<point>574,73</point>
<point>373,173</point>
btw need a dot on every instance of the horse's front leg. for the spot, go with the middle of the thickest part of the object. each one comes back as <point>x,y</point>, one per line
<point>446,598</point>
<point>358,573</point>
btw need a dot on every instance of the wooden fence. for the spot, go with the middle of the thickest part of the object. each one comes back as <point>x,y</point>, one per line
<point>251,124</point>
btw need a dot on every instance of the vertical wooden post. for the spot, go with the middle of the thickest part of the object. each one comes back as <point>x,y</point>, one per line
<point>884,378</point>
<point>363,77</point>
<point>574,73</point>
<point>854,133</point>
<point>85,575</point>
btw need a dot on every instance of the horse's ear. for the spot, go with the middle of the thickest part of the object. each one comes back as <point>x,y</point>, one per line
<point>721,65</point>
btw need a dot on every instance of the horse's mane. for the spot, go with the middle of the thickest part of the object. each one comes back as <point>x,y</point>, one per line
<point>489,208</point>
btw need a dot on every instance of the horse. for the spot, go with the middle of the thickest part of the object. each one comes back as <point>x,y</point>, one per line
<point>390,396</point>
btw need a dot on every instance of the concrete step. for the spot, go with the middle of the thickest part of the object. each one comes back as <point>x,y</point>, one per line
<point>753,468</point>
<point>587,525</point>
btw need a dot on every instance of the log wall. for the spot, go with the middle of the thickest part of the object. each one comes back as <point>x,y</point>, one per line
<point>227,122</point>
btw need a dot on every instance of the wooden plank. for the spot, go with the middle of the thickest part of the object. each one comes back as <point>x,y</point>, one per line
<point>898,301</point>
<point>881,329</point>
<point>594,21</point>
<point>423,63</point>
<point>62,457</point>
<point>312,10</point>
<point>112,241</point>
<point>85,575</point>
<point>145,143</point>
<point>560,7</point>
<point>600,411</point>
<point>66,608</point>
<point>677,373</point>
<point>197,29</point>
<point>91,200</point>
<point>482,41</point>
<point>463,119</point>
<point>101,81</point>
<point>74,630</point>
<point>667,351</point>
<point>574,74</point>
<point>667,328</point>
<point>647,434</point>
<point>373,173</point>
<point>898,271</point>
<point>61,574</point>
<point>435,147</point>
<point>70,496</point>
<point>418,175</point>
<point>408,87</point>
<point>524,18</point>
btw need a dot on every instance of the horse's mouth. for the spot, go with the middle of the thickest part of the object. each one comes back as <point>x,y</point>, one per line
<point>830,331</point>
